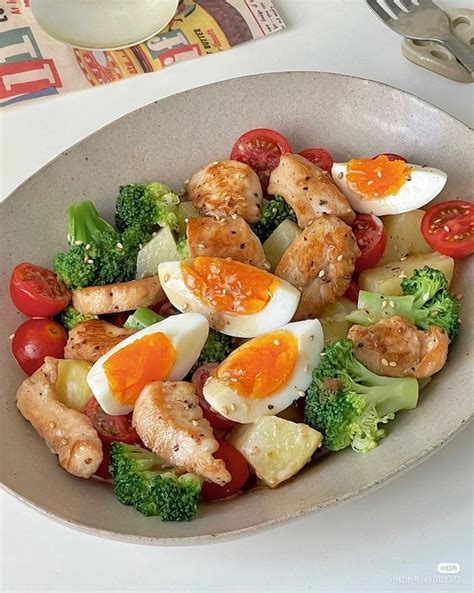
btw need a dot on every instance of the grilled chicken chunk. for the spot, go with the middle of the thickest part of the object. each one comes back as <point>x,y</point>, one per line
<point>320,263</point>
<point>68,433</point>
<point>308,190</point>
<point>226,188</point>
<point>394,347</point>
<point>92,339</point>
<point>227,237</point>
<point>114,298</point>
<point>169,421</point>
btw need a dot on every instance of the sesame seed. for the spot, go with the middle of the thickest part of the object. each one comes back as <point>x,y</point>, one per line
<point>321,273</point>
<point>140,245</point>
<point>384,304</point>
<point>460,296</point>
<point>234,216</point>
<point>340,257</point>
<point>402,275</point>
<point>64,441</point>
<point>301,393</point>
<point>370,182</point>
<point>186,181</point>
<point>201,246</point>
<point>88,246</point>
<point>186,220</point>
<point>225,410</point>
<point>392,304</point>
<point>385,362</point>
<point>276,342</point>
<point>185,306</point>
<point>166,277</point>
<point>52,425</point>
<point>266,266</point>
<point>306,368</point>
<point>379,174</point>
<point>426,296</point>
<point>310,222</point>
<point>242,176</point>
<point>77,242</point>
<point>119,246</point>
<point>194,422</point>
<point>11,336</point>
<point>215,163</point>
<point>90,261</point>
<point>232,407</point>
<point>392,363</point>
<point>403,258</point>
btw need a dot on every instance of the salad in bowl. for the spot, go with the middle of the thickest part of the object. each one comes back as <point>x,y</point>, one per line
<point>280,306</point>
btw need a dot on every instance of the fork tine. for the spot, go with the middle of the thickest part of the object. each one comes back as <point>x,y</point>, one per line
<point>394,8</point>
<point>406,4</point>
<point>380,11</point>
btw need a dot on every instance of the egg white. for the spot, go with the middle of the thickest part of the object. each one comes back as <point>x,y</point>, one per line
<point>425,184</point>
<point>277,312</point>
<point>187,333</point>
<point>223,399</point>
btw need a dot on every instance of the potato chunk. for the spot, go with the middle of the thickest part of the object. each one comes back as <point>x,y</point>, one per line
<point>276,449</point>
<point>71,386</point>
<point>404,236</point>
<point>386,279</point>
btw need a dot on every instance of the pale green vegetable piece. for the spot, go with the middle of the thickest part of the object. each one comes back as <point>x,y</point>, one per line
<point>186,211</point>
<point>279,241</point>
<point>160,249</point>
<point>404,236</point>
<point>386,279</point>
<point>71,386</point>
<point>276,449</point>
<point>333,319</point>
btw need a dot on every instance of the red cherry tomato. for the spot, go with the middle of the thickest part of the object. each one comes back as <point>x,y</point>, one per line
<point>391,156</point>
<point>103,469</point>
<point>261,149</point>
<point>320,157</point>
<point>35,291</point>
<point>164,308</point>
<point>236,466</point>
<point>118,319</point>
<point>449,228</point>
<point>352,292</point>
<point>215,419</point>
<point>111,428</point>
<point>371,239</point>
<point>35,339</point>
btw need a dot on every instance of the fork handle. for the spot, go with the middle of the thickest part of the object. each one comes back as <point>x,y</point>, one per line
<point>462,52</point>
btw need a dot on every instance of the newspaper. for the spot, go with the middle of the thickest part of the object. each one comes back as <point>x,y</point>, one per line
<point>33,65</point>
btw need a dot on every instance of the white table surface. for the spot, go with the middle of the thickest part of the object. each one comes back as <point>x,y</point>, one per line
<point>390,540</point>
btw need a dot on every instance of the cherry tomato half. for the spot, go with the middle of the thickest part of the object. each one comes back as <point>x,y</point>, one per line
<point>111,428</point>
<point>449,228</point>
<point>371,239</point>
<point>36,338</point>
<point>320,157</point>
<point>352,293</point>
<point>236,466</point>
<point>391,156</point>
<point>35,291</point>
<point>214,418</point>
<point>261,149</point>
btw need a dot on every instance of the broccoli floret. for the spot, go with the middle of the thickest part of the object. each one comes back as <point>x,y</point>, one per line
<point>183,248</point>
<point>146,205</point>
<point>69,317</point>
<point>142,481</point>
<point>98,254</point>
<point>347,402</point>
<point>274,212</point>
<point>216,348</point>
<point>425,302</point>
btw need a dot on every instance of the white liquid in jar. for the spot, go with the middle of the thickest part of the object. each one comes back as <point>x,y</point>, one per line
<point>103,24</point>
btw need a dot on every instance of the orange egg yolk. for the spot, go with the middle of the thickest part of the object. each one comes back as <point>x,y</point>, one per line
<point>377,178</point>
<point>229,286</point>
<point>147,359</point>
<point>261,366</point>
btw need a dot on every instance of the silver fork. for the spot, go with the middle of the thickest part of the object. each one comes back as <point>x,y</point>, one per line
<point>423,21</point>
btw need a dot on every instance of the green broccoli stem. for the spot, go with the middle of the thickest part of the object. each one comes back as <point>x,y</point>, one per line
<point>143,317</point>
<point>84,223</point>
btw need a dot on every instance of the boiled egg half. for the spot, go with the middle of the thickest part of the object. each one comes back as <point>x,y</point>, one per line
<point>267,374</point>
<point>163,351</point>
<point>237,299</point>
<point>383,186</point>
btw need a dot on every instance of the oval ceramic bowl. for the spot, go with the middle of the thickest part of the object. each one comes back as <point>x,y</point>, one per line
<point>168,141</point>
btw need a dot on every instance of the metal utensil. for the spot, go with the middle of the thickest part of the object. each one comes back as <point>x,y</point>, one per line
<point>423,21</point>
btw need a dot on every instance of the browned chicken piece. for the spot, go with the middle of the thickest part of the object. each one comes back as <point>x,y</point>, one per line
<point>114,298</point>
<point>169,421</point>
<point>320,263</point>
<point>89,340</point>
<point>68,433</point>
<point>226,188</point>
<point>309,190</point>
<point>227,237</point>
<point>394,347</point>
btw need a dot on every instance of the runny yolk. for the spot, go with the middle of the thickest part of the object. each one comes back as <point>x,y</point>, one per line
<point>261,366</point>
<point>377,178</point>
<point>229,286</point>
<point>147,359</point>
